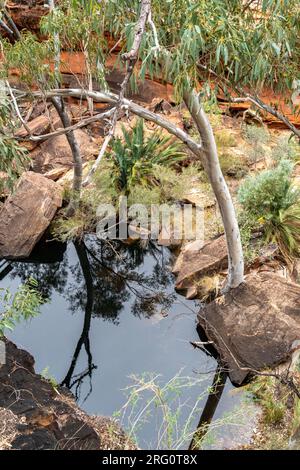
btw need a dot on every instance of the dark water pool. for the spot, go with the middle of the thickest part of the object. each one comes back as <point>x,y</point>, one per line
<point>112,312</point>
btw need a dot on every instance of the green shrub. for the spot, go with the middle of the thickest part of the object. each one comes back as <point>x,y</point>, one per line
<point>13,157</point>
<point>271,200</point>
<point>272,397</point>
<point>256,135</point>
<point>265,194</point>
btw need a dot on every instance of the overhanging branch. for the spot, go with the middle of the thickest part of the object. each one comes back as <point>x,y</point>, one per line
<point>110,98</point>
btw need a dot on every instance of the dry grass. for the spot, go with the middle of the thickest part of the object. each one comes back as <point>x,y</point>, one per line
<point>8,428</point>
<point>112,437</point>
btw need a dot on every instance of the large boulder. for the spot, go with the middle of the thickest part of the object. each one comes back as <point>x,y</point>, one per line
<point>196,260</point>
<point>56,153</point>
<point>27,213</point>
<point>35,415</point>
<point>255,326</point>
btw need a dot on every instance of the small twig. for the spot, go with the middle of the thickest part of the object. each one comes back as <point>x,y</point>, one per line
<point>115,45</point>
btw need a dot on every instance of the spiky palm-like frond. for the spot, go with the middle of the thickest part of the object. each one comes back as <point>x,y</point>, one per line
<point>135,156</point>
<point>284,229</point>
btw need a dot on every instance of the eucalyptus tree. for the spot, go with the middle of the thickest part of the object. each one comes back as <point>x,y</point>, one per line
<point>243,46</point>
<point>239,46</point>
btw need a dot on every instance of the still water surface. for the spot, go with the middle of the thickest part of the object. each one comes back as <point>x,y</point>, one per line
<point>112,312</point>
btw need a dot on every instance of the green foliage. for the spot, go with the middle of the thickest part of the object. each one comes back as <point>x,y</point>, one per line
<point>46,375</point>
<point>251,247</point>
<point>284,229</point>
<point>23,305</point>
<point>272,397</point>
<point>71,228</point>
<point>32,59</point>
<point>135,156</point>
<point>104,191</point>
<point>296,415</point>
<point>13,157</point>
<point>265,194</point>
<point>80,27</point>
<point>13,160</point>
<point>248,48</point>
<point>271,199</point>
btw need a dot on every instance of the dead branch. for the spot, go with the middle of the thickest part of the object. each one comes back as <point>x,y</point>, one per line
<point>110,98</point>
<point>78,125</point>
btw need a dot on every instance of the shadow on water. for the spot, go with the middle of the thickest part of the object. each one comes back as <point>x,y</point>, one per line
<point>131,321</point>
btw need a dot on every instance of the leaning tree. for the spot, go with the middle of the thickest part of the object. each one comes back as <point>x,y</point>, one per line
<point>243,46</point>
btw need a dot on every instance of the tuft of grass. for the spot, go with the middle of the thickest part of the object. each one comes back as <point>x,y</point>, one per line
<point>49,378</point>
<point>286,149</point>
<point>272,397</point>
<point>232,165</point>
<point>71,228</point>
<point>225,138</point>
<point>151,399</point>
<point>208,287</point>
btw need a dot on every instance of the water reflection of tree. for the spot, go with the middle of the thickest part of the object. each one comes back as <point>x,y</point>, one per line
<point>119,273</point>
<point>104,277</point>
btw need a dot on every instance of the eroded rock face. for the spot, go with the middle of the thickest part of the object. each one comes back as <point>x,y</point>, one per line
<point>35,416</point>
<point>195,261</point>
<point>27,14</point>
<point>255,326</point>
<point>55,152</point>
<point>27,213</point>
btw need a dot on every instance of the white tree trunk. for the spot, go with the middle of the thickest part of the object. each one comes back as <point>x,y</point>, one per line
<point>212,167</point>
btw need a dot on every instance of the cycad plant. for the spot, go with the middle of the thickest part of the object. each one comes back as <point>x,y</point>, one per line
<point>136,156</point>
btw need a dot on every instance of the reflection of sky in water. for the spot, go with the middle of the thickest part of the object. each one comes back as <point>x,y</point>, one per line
<point>120,346</point>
